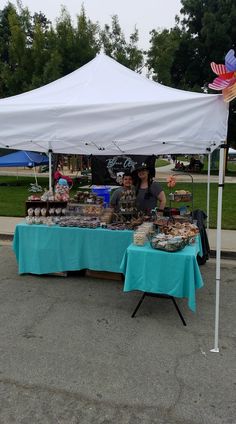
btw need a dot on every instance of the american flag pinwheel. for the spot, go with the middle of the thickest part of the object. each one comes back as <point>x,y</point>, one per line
<point>226,77</point>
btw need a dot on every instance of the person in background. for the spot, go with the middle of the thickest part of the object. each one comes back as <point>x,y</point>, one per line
<point>127,185</point>
<point>174,160</point>
<point>179,166</point>
<point>149,193</point>
<point>195,165</point>
<point>199,165</point>
<point>192,163</point>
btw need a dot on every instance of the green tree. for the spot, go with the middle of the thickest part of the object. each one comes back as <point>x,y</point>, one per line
<point>204,32</point>
<point>5,32</point>
<point>40,55</point>
<point>114,45</point>
<point>65,41</point>
<point>211,30</point>
<point>16,65</point>
<point>160,56</point>
<point>211,27</point>
<point>33,52</point>
<point>87,43</point>
<point>5,35</point>
<point>53,68</point>
<point>19,62</point>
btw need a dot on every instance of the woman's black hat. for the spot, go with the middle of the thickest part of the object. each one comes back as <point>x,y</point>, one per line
<point>141,167</point>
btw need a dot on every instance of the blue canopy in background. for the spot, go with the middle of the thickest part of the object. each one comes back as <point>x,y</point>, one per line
<point>23,158</point>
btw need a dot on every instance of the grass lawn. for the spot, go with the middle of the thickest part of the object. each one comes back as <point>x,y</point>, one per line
<point>13,195</point>
<point>231,166</point>
<point>161,162</point>
<point>230,172</point>
<point>200,199</point>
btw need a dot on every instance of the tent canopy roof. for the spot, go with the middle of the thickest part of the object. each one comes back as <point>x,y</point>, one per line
<point>105,108</point>
<point>23,158</point>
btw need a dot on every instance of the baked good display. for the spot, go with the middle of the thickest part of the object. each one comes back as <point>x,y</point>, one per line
<point>168,243</point>
<point>181,196</point>
<point>175,236</point>
<point>86,210</point>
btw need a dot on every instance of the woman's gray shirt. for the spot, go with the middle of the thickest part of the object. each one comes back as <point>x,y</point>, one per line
<point>146,198</point>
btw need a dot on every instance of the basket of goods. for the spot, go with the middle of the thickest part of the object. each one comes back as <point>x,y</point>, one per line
<point>181,196</point>
<point>182,218</point>
<point>168,243</point>
<point>186,230</point>
<point>163,224</point>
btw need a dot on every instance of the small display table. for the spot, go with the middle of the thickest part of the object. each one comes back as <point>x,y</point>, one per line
<point>172,274</point>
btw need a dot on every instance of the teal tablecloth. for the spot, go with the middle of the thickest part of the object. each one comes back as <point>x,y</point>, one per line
<point>40,249</point>
<point>176,274</point>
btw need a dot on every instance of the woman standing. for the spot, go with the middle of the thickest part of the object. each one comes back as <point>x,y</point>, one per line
<point>149,193</point>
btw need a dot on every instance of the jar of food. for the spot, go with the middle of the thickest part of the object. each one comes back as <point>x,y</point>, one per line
<point>139,238</point>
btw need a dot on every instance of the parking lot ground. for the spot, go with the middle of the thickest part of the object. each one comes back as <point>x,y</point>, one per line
<point>71,353</point>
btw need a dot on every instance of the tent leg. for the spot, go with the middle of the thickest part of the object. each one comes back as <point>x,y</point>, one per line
<point>218,245</point>
<point>35,176</point>
<point>50,168</point>
<point>208,191</point>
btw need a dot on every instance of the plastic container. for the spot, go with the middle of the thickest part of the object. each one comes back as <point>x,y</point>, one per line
<point>104,192</point>
<point>139,238</point>
<point>168,244</point>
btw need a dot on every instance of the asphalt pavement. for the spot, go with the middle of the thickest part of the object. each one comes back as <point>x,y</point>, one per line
<point>71,353</point>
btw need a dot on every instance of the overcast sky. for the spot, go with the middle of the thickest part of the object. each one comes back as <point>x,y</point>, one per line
<point>146,15</point>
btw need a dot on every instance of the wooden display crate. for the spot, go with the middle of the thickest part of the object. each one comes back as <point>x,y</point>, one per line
<point>41,204</point>
<point>105,275</point>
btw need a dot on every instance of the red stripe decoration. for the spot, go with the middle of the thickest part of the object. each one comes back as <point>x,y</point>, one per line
<point>219,84</point>
<point>218,69</point>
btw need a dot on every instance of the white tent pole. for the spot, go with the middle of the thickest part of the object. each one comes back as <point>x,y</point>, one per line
<point>208,190</point>
<point>35,176</point>
<point>218,246</point>
<point>50,168</point>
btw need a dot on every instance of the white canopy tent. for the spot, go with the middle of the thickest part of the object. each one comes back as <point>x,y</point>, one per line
<point>105,108</point>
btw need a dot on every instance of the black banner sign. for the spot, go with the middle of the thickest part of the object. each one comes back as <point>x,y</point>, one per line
<point>108,170</point>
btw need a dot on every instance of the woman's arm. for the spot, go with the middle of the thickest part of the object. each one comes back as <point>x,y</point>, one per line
<point>162,200</point>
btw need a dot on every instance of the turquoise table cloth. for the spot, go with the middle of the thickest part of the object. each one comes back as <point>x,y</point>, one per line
<point>176,274</point>
<point>40,249</point>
